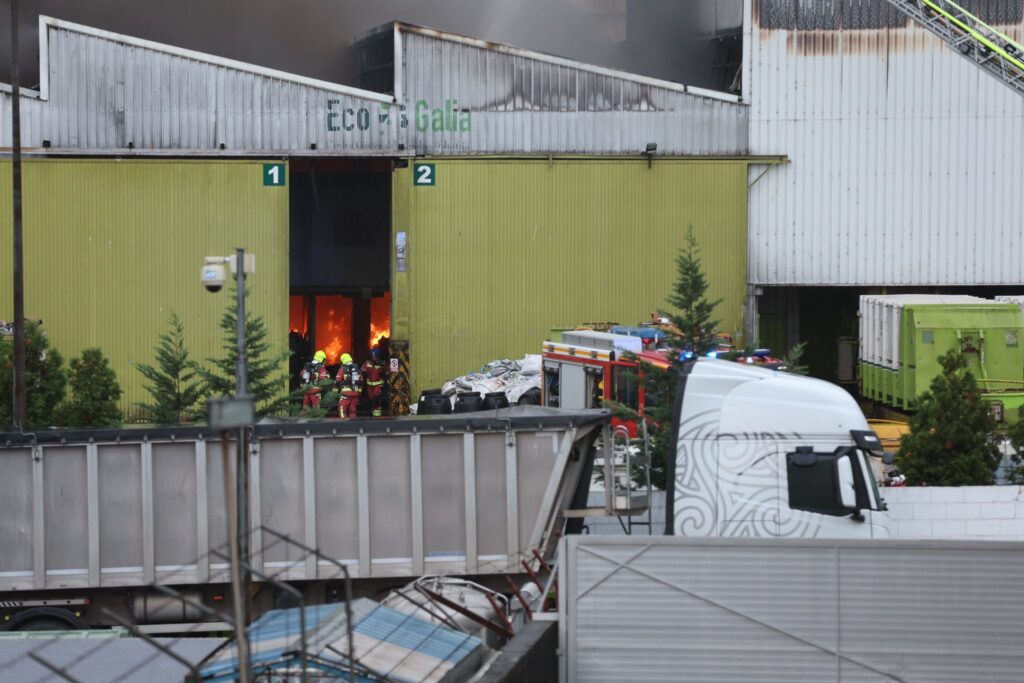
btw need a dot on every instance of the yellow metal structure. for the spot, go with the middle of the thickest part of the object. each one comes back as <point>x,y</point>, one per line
<point>500,251</point>
<point>113,246</point>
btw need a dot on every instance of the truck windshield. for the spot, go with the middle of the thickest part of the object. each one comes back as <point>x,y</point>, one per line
<point>869,477</point>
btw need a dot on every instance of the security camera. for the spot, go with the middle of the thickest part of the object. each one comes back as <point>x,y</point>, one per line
<point>213,276</point>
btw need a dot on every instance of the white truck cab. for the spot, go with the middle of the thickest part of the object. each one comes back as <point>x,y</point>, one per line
<point>765,453</point>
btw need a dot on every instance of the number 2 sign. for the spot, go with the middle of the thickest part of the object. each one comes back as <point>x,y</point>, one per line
<point>424,175</point>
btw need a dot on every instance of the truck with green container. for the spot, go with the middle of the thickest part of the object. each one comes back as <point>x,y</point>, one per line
<point>903,336</point>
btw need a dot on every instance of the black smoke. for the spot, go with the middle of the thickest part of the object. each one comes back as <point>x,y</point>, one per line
<point>669,39</point>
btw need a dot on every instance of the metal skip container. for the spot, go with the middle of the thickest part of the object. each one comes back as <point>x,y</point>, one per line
<point>453,494</point>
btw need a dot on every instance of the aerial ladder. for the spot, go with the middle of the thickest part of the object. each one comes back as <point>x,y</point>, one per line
<point>989,48</point>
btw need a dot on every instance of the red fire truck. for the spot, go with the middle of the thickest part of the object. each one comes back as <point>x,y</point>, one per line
<point>588,367</point>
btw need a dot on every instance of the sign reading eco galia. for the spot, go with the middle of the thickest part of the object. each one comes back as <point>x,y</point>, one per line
<point>448,118</point>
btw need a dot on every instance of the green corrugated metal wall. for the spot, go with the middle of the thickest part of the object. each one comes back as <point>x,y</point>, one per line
<point>502,250</point>
<point>112,246</point>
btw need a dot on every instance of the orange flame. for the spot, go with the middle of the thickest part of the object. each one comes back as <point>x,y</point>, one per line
<point>380,318</point>
<point>334,326</point>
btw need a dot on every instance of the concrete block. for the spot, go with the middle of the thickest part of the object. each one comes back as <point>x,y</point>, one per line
<point>947,494</point>
<point>1009,493</point>
<point>963,511</point>
<point>914,529</point>
<point>929,511</point>
<point>949,528</point>
<point>1011,529</point>
<point>900,510</point>
<point>1019,507</point>
<point>981,527</point>
<point>998,511</point>
<point>981,494</point>
<point>908,494</point>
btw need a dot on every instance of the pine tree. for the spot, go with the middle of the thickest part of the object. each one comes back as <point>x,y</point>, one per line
<point>94,393</point>
<point>952,439</point>
<point>266,380</point>
<point>791,361</point>
<point>45,379</point>
<point>696,334</point>
<point>697,329</point>
<point>173,383</point>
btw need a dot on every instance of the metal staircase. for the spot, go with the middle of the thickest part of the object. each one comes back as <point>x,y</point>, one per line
<point>989,48</point>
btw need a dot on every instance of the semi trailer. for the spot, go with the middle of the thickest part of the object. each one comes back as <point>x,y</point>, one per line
<point>91,520</point>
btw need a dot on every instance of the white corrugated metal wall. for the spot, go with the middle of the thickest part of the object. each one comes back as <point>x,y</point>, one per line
<point>904,158</point>
<point>523,102</point>
<point>785,610</point>
<point>31,119</point>
<point>106,91</point>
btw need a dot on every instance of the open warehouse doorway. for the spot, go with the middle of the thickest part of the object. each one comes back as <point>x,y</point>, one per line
<point>340,280</point>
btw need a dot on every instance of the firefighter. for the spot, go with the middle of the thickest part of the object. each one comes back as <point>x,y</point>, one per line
<point>313,373</point>
<point>373,372</point>
<point>350,384</point>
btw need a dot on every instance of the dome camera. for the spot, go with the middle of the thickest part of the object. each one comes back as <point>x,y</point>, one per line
<point>213,276</point>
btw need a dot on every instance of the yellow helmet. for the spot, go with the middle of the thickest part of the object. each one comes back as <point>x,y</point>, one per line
<point>345,359</point>
<point>319,357</point>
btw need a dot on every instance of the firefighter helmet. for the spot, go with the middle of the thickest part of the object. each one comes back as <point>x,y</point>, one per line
<point>375,353</point>
<point>319,357</point>
<point>345,359</point>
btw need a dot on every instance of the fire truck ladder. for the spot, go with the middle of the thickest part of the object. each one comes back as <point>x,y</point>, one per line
<point>989,48</point>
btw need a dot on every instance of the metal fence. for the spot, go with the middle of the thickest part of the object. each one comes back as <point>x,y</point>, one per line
<point>670,608</point>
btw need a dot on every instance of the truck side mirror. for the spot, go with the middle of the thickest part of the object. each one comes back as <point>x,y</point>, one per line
<point>847,494</point>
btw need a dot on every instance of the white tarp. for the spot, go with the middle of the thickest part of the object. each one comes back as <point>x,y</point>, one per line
<point>512,377</point>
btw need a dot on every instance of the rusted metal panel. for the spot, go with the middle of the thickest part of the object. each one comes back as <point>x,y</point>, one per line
<point>901,171</point>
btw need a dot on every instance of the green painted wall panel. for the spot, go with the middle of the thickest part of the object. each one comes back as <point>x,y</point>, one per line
<point>112,246</point>
<point>501,251</point>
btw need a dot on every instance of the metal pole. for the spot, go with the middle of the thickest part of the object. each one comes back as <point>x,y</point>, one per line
<point>240,365</point>
<point>18,407</point>
<point>242,481</point>
<point>241,634</point>
<point>348,592</point>
<point>291,590</point>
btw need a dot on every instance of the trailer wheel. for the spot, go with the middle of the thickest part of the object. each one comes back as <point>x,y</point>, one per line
<point>45,619</point>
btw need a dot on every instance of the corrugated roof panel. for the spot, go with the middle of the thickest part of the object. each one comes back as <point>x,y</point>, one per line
<point>398,646</point>
<point>900,171</point>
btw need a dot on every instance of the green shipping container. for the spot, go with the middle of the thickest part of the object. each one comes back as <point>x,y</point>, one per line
<point>113,246</point>
<point>497,252</point>
<point>901,368</point>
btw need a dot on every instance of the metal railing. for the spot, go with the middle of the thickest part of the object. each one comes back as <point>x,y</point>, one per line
<point>987,47</point>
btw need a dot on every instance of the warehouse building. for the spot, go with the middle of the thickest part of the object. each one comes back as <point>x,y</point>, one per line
<point>903,171</point>
<point>467,199</point>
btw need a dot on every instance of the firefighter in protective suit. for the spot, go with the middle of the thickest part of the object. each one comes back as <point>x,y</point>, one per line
<point>350,383</point>
<point>313,373</point>
<point>373,372</point>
